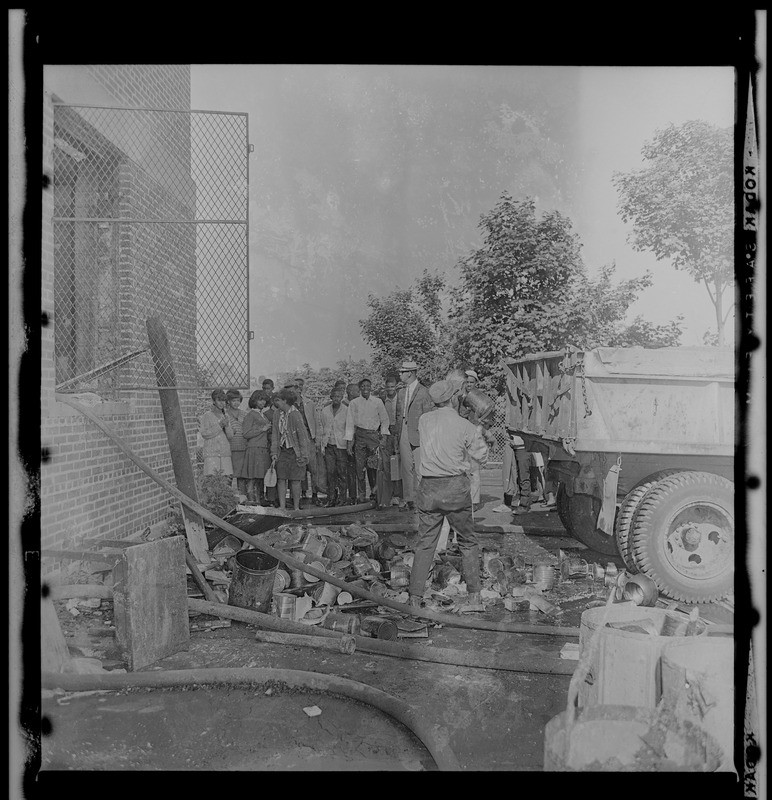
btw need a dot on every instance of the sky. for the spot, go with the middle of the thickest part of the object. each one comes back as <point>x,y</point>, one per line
<point>603,116</point>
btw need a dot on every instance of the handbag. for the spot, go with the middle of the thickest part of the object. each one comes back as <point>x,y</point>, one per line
<point>270,477</point>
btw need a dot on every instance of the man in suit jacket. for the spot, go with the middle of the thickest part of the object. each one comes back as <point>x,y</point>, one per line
<point>307,409</point>
<point>412,401</point>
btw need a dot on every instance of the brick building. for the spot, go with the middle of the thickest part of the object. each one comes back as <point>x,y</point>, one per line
<point>101,280</point>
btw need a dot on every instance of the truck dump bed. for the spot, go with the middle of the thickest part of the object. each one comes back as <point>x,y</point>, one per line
<point>669,400</point>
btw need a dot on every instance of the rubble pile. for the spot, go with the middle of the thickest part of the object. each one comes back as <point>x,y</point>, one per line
<point>381,564</point>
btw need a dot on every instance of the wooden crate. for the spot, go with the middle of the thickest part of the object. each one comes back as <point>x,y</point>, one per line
<point>150,601</point>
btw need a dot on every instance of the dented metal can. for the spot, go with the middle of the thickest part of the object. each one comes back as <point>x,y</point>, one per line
<point>345,623</point>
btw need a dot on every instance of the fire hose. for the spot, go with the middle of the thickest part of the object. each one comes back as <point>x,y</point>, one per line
<point>434,738</point>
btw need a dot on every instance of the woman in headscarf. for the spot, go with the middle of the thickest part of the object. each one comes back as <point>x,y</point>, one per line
<point>216,431</point>
<point>290,447</point>
<point>257,457</point>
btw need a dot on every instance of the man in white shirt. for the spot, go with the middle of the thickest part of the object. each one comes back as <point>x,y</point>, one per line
<point>332,440</point>
<point>449,445</point>
<point>367,428</point>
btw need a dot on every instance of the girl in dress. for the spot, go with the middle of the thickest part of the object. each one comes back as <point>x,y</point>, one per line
<point>257,459</point>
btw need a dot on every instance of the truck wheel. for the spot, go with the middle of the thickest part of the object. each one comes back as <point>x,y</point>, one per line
<point>683,536</point>
<point>583,512</point>
<point>626,516</point>
<point>561,501</point>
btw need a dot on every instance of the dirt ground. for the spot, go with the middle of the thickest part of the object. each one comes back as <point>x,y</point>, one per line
<point>494,719</point>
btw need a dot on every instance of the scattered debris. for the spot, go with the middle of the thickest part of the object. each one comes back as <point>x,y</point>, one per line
<point>570,650</point>
<point>210,624</point>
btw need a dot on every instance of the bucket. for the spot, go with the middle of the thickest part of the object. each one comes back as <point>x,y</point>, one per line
<point>252,582</point>
<point>608,739</point>
<point>698,671</point>
<point>625,666</point>
<point>479,403</point>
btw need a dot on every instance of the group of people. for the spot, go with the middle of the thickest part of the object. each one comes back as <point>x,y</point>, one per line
<point>366,444</point>
<point>434,437</point>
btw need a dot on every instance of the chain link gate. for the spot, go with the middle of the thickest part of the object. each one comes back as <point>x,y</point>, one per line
<point>150,219</point>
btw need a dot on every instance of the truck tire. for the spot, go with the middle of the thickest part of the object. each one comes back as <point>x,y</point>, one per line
<point>583,510</point>
<point>683,536</point>
<point>626,516</point>
<point>561,503</point>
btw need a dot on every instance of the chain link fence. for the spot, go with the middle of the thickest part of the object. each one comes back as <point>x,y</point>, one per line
<point>150,220</point>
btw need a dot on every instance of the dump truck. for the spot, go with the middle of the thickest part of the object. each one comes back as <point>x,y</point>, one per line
<point>640,443</point>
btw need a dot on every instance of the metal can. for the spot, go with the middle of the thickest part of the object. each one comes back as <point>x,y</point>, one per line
<point>333,551</point>
<point>297,579</point>
<point>379,628</point>
<point>641,590</point>
<point>314,544</point>
<point>400,576</point>
<point>312,578</point>
<point>361,564</point>
<point>544,576</point>
<point>285,605</point>
<point>574,568</point>
<point>325,594</point>
<point>281,581</point>
<point>345,623</point>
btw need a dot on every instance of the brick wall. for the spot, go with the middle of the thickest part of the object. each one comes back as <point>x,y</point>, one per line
<point>89,489</point>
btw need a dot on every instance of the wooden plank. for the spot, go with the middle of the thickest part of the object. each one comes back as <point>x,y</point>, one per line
<point>54,655</point>
<point>150,601</point>
<point>175,433</point>
<point>109,543</point>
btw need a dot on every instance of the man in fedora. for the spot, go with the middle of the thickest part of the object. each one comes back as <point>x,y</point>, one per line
<point>412,402</point>
<point>449,444</point>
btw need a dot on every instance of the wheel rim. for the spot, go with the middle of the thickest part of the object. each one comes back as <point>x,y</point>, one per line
<point>699,542</point>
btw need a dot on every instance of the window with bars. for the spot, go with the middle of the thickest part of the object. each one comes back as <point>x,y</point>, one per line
<point>150,219</point>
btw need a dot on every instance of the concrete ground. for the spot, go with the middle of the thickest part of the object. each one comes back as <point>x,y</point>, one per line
<point>495,719</point>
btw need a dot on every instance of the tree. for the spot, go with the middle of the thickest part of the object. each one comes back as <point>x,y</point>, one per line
<point>681,205</point>
<point>409,324</point>
<point>318,383</point>
<point>526,290</point>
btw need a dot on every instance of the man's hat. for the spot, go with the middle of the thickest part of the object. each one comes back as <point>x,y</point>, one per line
<point>471,373</point>
<point>409,366</point>
<point>442,391</point>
